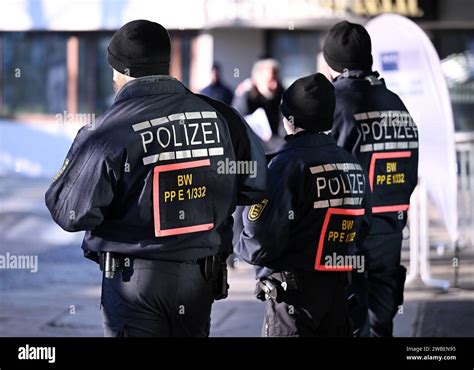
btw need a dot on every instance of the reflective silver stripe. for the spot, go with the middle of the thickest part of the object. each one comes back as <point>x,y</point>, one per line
<point>177,116</point>
<point>216,151</point>
<point>183,154</point>
<point>352,201</point>
<point>391,145</point>
<point>200,152</point>
<point>338,202</point>
<point>413,144</point>
<point>335,202</point>
<point>141,126</point>
<point>316,169</point>
<point>330,167</point>
<point>392,113</point>
<point>366,148</point>
<point>335,166</point>
<point>321,204</point>
<point>405,116</point>
<point>193,115</point>
<point>150,159</point>
<point>165,156</point>
<point>159,121</point>
<point>209,114</point>
<point>360,116</point>
<point>379,146</point>
<point>375,114</point>
<point>402,145</point>
<point>348,201</point>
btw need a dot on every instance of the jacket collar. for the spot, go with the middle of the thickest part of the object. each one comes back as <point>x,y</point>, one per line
<point>305,139</point>
<point>356,77</point>
<point>148,85</point>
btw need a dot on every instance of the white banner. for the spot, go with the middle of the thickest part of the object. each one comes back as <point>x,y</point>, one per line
<point>407,60</point>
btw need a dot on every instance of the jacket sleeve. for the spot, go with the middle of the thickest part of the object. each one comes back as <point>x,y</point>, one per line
<point>247,147</point>
<point>267,224</point>
<point>252,186</point>
<point>82,189</point>
<point>367,219</point>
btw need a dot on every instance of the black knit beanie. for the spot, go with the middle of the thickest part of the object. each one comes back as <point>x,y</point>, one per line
<point>140,48</point>
<point>309,103</point>
<point>348,46</point>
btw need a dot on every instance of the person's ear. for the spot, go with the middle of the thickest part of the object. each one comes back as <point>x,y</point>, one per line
<point>289,125</point>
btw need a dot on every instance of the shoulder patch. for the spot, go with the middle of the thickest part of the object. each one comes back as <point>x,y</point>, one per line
<point>256,210</point>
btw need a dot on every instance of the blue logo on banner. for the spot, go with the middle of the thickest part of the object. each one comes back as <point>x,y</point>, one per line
<point>389,61</point>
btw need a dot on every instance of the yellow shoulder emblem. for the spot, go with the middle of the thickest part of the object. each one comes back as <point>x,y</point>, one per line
<point>256,210</point>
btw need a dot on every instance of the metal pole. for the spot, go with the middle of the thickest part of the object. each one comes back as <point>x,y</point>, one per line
<point>471,194</point>
<point>456,267</point>
<point>424,243</point>
<point>414,238</point>
<point>463,192</point>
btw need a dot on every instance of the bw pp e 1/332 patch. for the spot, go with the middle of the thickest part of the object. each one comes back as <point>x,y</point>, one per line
<point>338,237</point>
<point>182,199</point>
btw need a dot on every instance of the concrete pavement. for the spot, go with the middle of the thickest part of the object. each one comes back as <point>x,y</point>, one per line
<point>62,298</point>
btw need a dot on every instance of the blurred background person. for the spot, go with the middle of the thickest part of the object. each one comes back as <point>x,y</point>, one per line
<point>217,89</point>
<point>262,90</point>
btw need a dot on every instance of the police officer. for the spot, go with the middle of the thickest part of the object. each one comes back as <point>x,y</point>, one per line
<point>148,183</point>
<point>372,123</point>
<point>303,234</point>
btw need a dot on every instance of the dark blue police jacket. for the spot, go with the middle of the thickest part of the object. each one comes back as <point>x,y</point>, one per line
<point>317,207</point>
<point>153,177</point>
<point>373,124</point>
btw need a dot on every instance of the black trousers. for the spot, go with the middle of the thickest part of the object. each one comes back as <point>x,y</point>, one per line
<point>379,289</point>
<point>157,299</point>
<point>317,309</point>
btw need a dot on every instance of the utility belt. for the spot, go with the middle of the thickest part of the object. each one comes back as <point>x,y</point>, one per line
<point>213,269</point>
<point>276,286</point>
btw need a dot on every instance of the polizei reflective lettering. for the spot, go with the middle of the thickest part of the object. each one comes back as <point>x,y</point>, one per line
<point>338,184</point>
<point>387,130</point>
<point>180,136</point>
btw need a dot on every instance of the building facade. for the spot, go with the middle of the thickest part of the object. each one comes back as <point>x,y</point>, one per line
<point>60,47</point>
